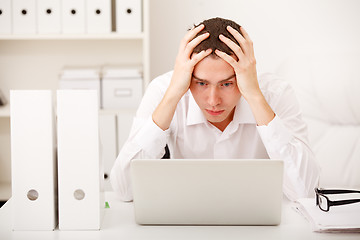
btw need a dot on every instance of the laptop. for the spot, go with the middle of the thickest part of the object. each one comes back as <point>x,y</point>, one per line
<point>207,191</point>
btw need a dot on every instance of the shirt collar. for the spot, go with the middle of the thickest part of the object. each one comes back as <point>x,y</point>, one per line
<point>194,113</point>
<point>242,115</point>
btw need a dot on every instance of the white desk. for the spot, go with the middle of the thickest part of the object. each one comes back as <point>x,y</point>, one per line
<point>119,224</point>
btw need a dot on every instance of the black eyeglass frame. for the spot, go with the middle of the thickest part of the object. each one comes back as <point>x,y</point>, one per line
<point>321,192</point>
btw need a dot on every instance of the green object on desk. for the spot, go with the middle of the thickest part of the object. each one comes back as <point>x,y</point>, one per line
<point>107,205</point>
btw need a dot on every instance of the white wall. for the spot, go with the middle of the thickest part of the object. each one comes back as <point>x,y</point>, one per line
<point>314,44</point>
<point>278,27</point>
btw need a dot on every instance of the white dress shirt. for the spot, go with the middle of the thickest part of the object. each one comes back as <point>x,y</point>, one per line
<point>190,135</point>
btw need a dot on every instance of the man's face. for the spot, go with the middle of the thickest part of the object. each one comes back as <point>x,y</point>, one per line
<point>215,90</point>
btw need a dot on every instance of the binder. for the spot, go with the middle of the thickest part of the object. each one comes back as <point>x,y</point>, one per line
<point>24,16</point>
<point>48,15</point>
<point>128,16</point>
<point>81,199</point>
<point>73,16</point>
<point>108,137</point>
<point>5,16</point>
<point>98,16</point>
<point>33,161</point>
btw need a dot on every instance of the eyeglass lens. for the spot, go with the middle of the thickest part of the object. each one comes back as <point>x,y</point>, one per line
<point>323,203</point>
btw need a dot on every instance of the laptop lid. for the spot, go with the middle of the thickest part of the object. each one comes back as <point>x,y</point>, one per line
<point>207,191</point>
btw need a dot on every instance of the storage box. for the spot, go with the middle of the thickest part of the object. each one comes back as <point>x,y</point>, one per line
<point>5,16</point>
<point>73,16</point>
<point>24,16</point>
<point>81,78</point>
<point>48,15</point>
<point>98,16</point>
<point>121,88</point>
<point>128,16</point>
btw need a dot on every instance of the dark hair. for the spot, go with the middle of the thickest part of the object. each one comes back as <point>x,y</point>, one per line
<point>216,26</point>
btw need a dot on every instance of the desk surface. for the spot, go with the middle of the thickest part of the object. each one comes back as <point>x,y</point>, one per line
<point>119,224</point>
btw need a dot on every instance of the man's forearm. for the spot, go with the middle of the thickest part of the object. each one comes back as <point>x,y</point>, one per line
<point>164,112</point>
<point>261,110</point>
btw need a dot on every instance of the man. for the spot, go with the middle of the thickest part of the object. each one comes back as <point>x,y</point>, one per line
<point>213,105</point>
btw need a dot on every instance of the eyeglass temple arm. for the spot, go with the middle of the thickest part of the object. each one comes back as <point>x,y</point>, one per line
<point>343,202</point>
<point>336,191</point>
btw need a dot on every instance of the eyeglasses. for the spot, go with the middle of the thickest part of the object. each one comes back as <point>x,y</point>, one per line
<point>325,203</point>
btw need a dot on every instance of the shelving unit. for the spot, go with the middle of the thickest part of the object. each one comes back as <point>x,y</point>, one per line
<point>34,61</point>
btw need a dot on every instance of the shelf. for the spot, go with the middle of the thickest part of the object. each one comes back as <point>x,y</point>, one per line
<point>85,36</point>
<point>5,111</point>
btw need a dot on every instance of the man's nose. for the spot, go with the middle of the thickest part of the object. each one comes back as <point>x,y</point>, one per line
<point>214,96</point>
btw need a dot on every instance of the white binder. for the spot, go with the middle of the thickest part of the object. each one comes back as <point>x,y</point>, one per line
<point>128,16</point>
<point>98,16</point>
<point>108,137</point>
<point>48,15</point>
<point>24,16</point>
<point>81,200</point>
<point>73,16</point>
<point>33,162</point>
<point>5,16</point>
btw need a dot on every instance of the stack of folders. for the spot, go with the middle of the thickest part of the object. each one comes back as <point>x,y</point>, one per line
<point>344,218</point>
<point>68,191</point>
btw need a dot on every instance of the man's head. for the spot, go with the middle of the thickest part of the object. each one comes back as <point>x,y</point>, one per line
<point>216,26</point>
<point>213,83</point>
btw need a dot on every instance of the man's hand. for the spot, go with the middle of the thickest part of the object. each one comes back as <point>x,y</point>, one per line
<point>245,64</point>
<point>186,61</point>
<point>181,78</point>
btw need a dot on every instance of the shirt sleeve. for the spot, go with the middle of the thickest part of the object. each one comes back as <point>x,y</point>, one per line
<point>146,141</point>
<point>285,138</point>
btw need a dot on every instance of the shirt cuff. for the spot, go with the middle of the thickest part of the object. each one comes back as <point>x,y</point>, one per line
<point>274,135</point>
<point>152,139</point>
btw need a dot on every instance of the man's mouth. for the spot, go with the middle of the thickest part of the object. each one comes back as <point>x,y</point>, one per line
<point>214,113</point>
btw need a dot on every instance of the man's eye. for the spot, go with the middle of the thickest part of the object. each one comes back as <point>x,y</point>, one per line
<point>227,84</point>
<point>201,83</point>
